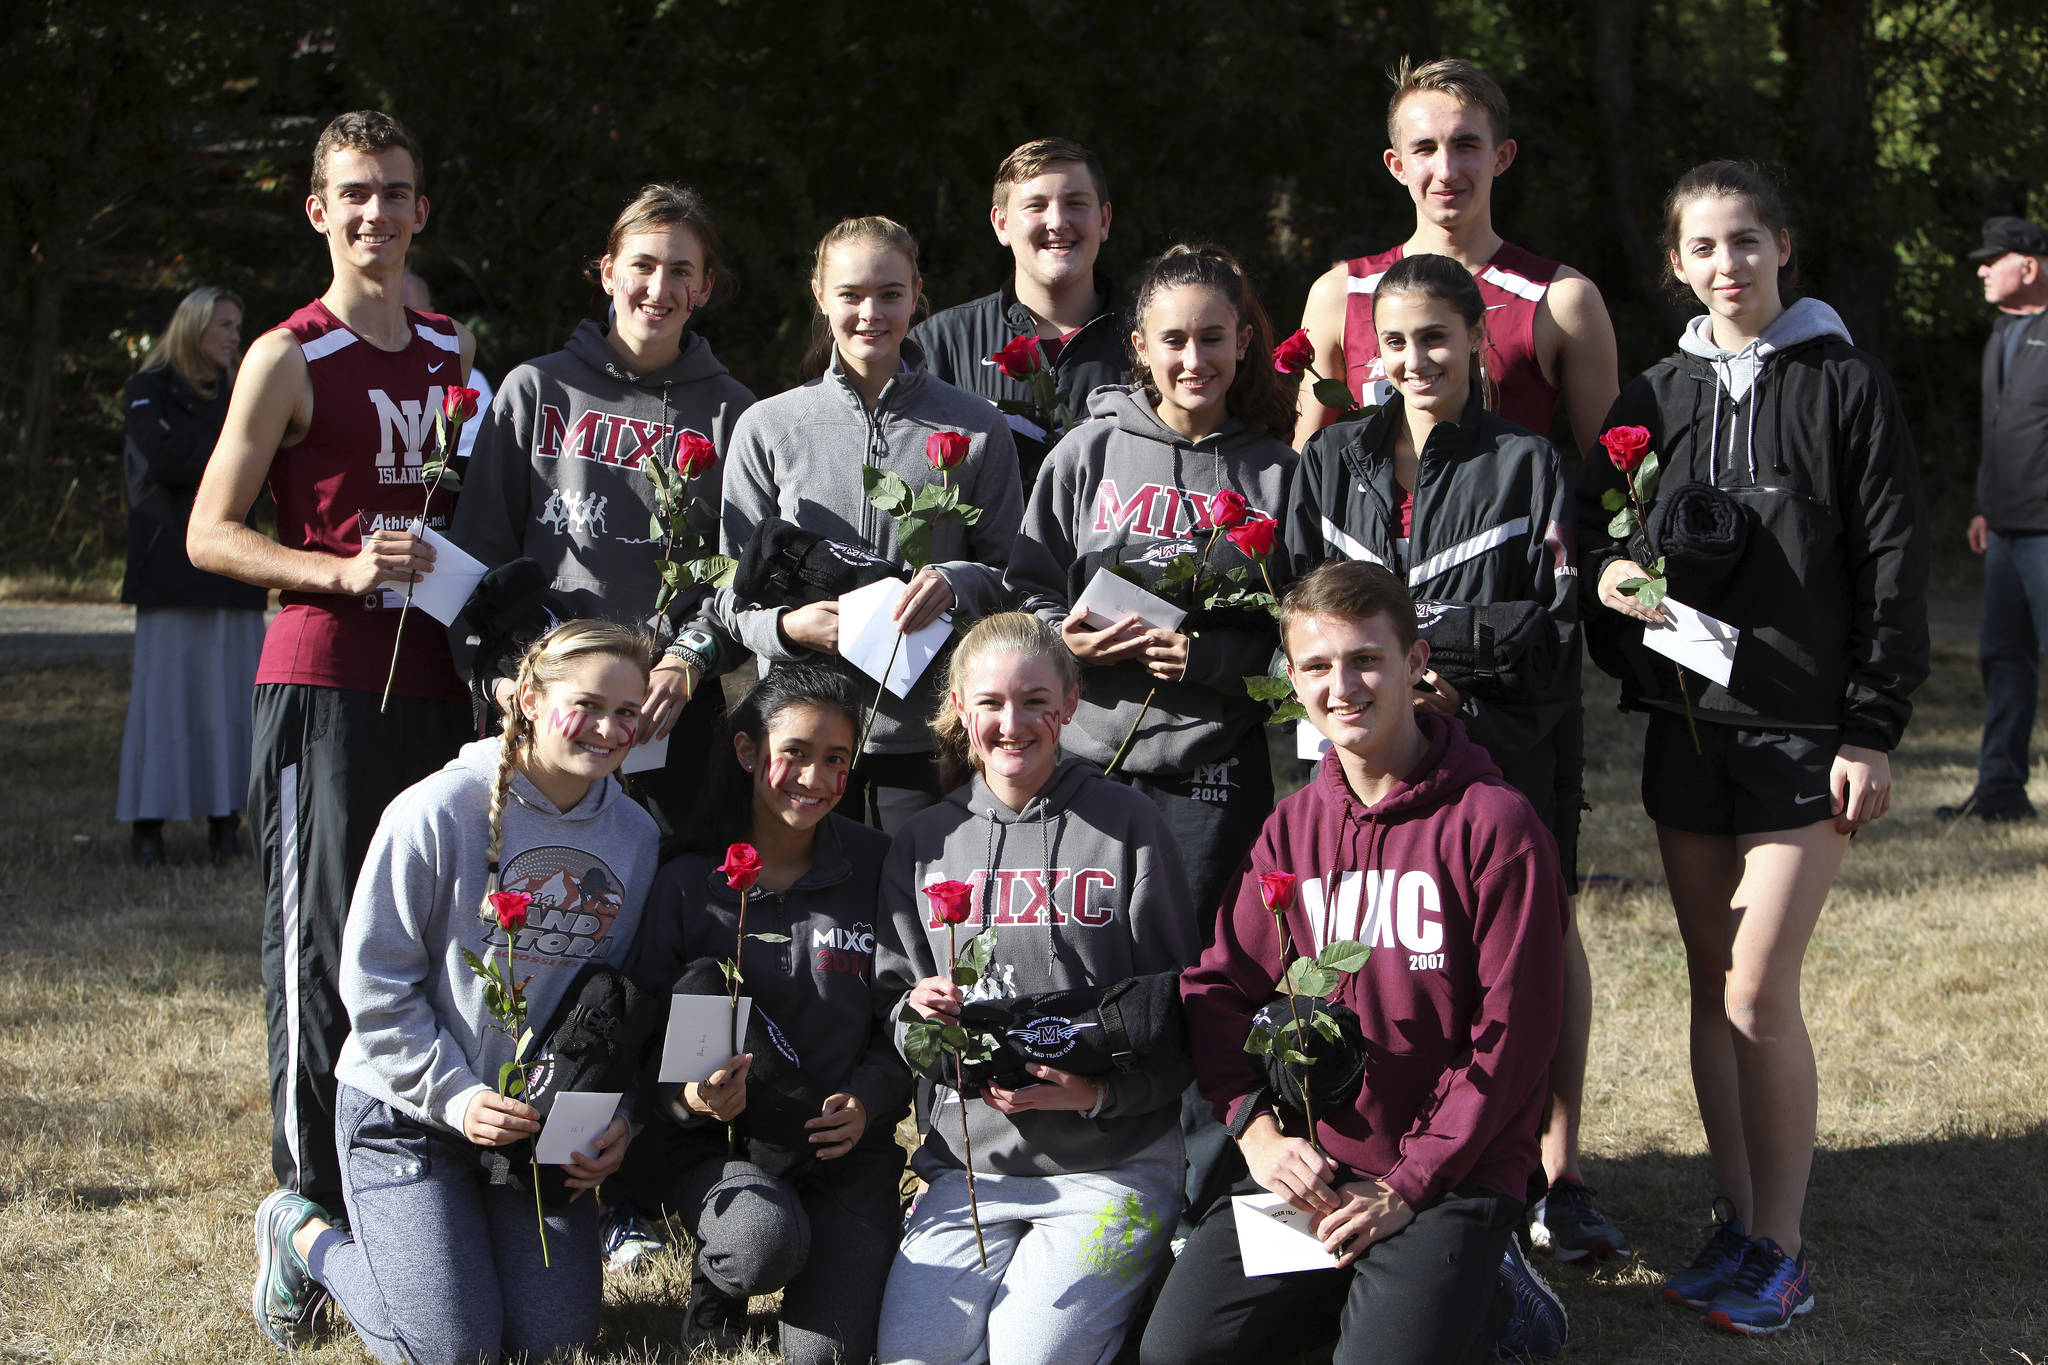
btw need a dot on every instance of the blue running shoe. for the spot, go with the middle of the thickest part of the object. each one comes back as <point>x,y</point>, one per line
<point>285,1298</point>
<point>1768,1292</point>
<point>1569,1225</point>
<point>1714,1268</point>
<point>626,1239</point>
<point>1537,1325</point>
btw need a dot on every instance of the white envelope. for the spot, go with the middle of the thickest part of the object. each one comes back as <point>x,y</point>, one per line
<point>575,1118</point>
<point>1109,599</point>
<point>640,758</point>
<point>1696,641</point>
<point>700,1033</point>
<point>445,589</point>
<point>1309,742</point>
<point>867,636</point>
<point>1273,1237</point>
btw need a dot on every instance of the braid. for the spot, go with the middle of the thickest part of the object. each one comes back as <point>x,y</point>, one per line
<point>511,738</point>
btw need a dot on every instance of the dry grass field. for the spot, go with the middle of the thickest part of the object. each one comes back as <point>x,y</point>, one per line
<point>133,1123</point>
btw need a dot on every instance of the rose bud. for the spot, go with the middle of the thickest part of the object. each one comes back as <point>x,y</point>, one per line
<point>510,908</point>
<point>459,404</point>
<point>1626,446</point>
<point>1020,359</point>
<point>1257,537</point>
<point>951,902</point>
<point>742,866</point>
<point>1295,354</point>
<point>945,449</point>
<point>694,455</point>
<point>1276,889</point>
<point>1227,509</point>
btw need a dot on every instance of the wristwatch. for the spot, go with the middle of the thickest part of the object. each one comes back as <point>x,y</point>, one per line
<point>695,647</point>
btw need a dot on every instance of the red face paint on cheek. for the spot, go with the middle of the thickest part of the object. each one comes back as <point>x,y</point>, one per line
<point>570,725</point>
<point>779,772</point>
<point>838,785</point>
<point>628,732</point>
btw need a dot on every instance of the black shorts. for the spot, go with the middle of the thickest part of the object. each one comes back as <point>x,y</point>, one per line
<point>1739,781</point>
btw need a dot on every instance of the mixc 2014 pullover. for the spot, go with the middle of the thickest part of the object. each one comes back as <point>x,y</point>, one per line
<point>1083,887</point>
<point>1125,489</point>
<point>799,456</point>
<point>1453,883</point>
<point>421,1038</point>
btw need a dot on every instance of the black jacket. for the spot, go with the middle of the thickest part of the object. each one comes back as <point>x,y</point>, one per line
<point>1831,592</point>
<point>958,341</point>
<point>1490,527</point>
<point>2012,478</point>
<point>169,433</point>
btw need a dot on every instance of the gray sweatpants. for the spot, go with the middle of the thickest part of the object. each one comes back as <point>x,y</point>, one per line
<point>440,1268</point>
<point>824,1239</point>
<point>1069,1259</point>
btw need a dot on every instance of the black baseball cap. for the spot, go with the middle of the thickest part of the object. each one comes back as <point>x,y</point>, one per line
<point>2011,234</point>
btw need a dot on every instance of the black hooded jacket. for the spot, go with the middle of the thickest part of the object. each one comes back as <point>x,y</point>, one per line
<point>1490,527</point>
<point>1831,592</point>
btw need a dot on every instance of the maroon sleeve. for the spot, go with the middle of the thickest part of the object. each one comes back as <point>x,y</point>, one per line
<point>1232,980</point>
<point>1518,937</point>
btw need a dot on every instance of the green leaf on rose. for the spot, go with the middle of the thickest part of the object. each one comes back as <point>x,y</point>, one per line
<point>1652,595</point>
<point>914,542</point>
<point>964,975</point>
<point>1345,955</point>
<point>1286,712</point>
<point>1648,475</point>
<point>1333,393</point>
<point>1614,499</point>
<point>1306,977</point>
<point>1628,587</point>
<point>1623,525</point>
<point>1326,1026</point>
<point>922,1042</point>
<point>1296,1056</point>
<point>980,952</point>
<point>954,1035</point>
<point>1268,687</point>
<point>770,938</point>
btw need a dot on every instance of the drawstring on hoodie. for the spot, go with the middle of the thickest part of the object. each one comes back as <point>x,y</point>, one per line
<point>1047,845</point>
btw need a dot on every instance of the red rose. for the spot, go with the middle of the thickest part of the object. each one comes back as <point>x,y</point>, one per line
<point>1021,359</point>
<point>742,866</point>
<point>951,902</point>
<point>1256,537</point>
<point>694,455</point>
<point>459,404</point>
<point>1295,354</point>
<point>1227,509</point>
<point>510,908</point>
<point>1626,446</point>
<point>945,449</point>
<point>1277,890</point>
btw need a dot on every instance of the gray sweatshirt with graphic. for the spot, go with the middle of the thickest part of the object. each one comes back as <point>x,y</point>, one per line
<point>420,1038</point>
<point>1083,887</point>
<point>557,475</point>
<point>1123,488</point>
<point>799,456</point>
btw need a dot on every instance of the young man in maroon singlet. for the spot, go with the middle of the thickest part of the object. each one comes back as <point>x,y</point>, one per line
<point>335,410</point>
<point>1548,340</point>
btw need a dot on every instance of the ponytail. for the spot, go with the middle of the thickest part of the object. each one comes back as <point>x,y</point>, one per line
<point>1256,397</point>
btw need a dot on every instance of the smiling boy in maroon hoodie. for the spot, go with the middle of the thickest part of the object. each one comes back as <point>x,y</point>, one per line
<point>1409,841</point>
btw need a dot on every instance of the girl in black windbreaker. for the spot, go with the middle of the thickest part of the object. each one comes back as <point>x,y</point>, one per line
<point>1791,441</point>
<point>1473,512</point>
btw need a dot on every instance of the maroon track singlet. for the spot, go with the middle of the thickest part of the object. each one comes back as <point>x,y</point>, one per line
<point>357,471</point>
<point>1512,284</point>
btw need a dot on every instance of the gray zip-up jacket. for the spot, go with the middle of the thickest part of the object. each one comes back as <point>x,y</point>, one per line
<point>1088,890</point>
<point>557,473</point>
<point>421,1039</point>
<point>1125,489</point>
<point>799,456</point>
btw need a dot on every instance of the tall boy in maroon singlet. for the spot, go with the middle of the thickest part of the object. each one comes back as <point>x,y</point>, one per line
<point>1548,339</point>
<point>334,409</point>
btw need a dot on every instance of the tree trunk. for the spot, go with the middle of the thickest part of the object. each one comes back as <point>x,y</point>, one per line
<point>1843,258</point>
<point>32,437</point>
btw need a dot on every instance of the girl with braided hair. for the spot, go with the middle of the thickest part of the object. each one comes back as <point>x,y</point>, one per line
<point>437,1262</point>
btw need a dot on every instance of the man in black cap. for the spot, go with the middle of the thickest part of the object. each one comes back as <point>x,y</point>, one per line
<point>2009,524</point>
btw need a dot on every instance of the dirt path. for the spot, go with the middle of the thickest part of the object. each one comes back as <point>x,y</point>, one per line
<point>37,635</point>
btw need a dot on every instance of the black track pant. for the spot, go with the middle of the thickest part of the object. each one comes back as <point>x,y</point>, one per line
<point>1428,1295</point>
<point>326,764</point>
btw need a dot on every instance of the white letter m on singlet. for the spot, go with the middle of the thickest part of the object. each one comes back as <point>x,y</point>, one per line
<point>404,425</point>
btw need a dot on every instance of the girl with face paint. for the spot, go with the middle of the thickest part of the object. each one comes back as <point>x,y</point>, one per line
<point>1077,1178</point>
<point>534,812</point>
<point>558,476</point>
<point>806,1202</point>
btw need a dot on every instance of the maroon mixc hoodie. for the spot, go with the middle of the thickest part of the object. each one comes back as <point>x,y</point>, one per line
<point>1453,883</point>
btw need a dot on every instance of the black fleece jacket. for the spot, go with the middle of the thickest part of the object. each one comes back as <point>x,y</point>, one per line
<point>1831,594</point>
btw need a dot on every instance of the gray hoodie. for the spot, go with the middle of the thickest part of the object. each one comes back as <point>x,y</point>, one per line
<point>1089,891</point>
<point>799,456</point>
<point>421,1039</point>
<point>1125,488</point>
<point>1736,372</point>
<point>557,475</point>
